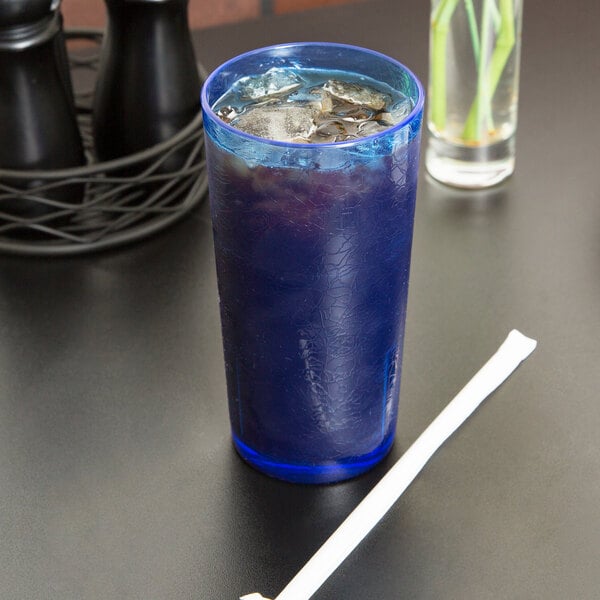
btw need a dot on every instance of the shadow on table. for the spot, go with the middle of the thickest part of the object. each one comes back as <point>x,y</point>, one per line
<point>459,203</point>
<point>275,527</point>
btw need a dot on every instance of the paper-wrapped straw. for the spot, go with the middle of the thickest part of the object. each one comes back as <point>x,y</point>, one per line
<point>380,499</point>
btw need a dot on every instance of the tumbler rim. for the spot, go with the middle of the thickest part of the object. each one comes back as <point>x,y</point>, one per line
<point>412,116</point>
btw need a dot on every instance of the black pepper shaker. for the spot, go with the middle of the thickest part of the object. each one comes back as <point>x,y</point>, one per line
<point>148,86</point>
<point>38,125</point>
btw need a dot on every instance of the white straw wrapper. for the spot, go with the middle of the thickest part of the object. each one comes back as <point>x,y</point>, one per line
<point>380,499</point>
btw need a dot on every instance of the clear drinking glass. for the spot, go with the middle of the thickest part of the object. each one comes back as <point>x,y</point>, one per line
<point>473,90</point>
<point>312,245</point>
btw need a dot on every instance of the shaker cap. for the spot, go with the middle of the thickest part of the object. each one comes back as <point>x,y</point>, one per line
<point>14,13</point>
<point>26,23</point>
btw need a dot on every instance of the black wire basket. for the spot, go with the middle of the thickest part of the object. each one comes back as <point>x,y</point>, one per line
<point>117,207</point>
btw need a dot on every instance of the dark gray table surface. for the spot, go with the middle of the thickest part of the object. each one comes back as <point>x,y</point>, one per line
<point>117,477</point>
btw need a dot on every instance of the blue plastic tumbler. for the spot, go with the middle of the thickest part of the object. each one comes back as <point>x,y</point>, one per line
<point>312,245</point>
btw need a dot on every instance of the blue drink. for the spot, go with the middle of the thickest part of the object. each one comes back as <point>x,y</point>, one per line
<point>312,244</point>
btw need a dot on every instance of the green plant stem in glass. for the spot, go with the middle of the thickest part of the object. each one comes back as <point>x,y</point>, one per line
<point>488,77</point>
<point>488,72</point>
<point>473,89</point>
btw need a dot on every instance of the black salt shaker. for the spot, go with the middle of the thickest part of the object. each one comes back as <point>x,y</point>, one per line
<point>38,125</point>
<point>148,86</point>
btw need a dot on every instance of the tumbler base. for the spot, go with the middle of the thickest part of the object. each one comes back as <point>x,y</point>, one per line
<point>311,473</point>
<point>470,167</point>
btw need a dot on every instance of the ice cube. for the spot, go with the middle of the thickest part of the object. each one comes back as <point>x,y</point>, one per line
<point>400,110</point>
<point>283,122</point>
<point>227,113</point>
<point>370,127</point>
<point>353,113</point>
<point>354,93</point>
<point>275,82</point>
<point>326,103</point>
<point>330,131</point>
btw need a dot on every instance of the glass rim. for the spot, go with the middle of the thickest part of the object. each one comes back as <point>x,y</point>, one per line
<point>416,110</point>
